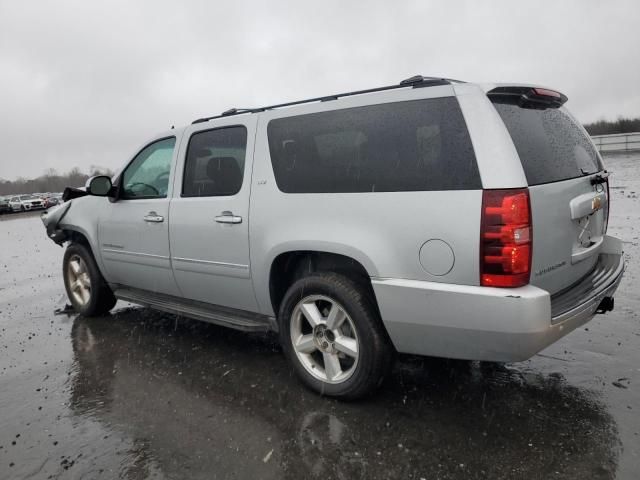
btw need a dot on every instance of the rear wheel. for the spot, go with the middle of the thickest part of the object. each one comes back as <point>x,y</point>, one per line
<point>88,292</point>
<point>333,336</point>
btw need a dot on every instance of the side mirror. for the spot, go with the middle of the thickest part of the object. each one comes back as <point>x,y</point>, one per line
<point>100,186</point>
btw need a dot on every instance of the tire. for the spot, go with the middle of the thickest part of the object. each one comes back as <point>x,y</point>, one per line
<point>313,351</point>
<point>79,270</point>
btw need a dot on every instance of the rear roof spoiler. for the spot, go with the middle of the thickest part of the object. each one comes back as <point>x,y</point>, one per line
<point>528,97</point>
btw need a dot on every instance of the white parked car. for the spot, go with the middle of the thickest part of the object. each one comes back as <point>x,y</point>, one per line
<point>432,217</point>
<point>23,203</point>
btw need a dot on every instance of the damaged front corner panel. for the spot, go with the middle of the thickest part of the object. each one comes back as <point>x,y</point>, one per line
<point>51,218</point>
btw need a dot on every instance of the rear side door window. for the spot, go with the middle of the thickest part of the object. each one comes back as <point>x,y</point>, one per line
<point>214,164</point>
<point>147,176</point>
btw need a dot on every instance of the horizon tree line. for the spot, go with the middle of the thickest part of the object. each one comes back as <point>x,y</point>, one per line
<point>50,181</point>
<point>610,127</point>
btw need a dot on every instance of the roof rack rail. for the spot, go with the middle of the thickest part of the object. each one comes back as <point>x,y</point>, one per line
<point>235,111</point>
<point>417,81</point>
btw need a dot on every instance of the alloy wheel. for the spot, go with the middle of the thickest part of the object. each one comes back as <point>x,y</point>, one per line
<point>79,280</point>
<point>324,339</point>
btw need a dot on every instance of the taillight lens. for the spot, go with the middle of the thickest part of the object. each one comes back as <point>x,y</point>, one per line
<point>505,238</point>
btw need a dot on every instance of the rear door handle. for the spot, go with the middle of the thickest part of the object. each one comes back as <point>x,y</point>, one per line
<point>153,217</point>
<point>228,217</point>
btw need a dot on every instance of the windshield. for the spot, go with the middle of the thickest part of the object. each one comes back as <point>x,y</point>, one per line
<point>551,145</point>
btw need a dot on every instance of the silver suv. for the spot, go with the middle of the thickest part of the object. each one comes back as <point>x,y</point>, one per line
<point>432,217</point>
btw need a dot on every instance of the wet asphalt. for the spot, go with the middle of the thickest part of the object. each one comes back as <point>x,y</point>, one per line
<point>140,394</point>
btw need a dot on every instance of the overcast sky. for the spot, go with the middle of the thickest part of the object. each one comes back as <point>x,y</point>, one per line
<point>85,83</point>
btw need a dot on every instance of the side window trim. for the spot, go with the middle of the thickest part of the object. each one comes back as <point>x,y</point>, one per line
<point>185,156</point>
<point>120,177</point>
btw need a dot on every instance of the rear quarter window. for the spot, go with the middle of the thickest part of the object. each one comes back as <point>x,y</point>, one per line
<point>404,146</point>
<point>551,146</point>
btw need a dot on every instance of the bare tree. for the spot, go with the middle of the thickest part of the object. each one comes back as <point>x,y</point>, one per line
<point>606,127</point>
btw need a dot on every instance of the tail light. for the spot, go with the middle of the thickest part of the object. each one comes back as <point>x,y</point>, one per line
<point>505,238</point>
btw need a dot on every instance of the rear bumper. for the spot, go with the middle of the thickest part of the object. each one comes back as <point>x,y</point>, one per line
<point>492,324</point>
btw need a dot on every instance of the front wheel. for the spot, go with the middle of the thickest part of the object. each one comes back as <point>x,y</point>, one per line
<point>332,335</point>
<point>88,292</point>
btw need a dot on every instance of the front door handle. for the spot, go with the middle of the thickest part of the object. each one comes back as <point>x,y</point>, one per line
<point>228,217</point>
<point>153,217</point>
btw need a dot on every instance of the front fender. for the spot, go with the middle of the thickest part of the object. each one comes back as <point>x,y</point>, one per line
<point>51,218</point>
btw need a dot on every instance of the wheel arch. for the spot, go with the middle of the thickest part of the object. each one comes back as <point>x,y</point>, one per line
<point>76,234</point>
<point>289,266</point>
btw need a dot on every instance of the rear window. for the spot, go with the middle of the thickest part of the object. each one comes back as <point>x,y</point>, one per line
<point>404,146</point>
<point>551,146</point>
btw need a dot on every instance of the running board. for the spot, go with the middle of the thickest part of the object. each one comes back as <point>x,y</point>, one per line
<point>226,317</point>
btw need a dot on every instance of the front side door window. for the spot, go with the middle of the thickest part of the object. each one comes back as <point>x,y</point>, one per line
<point>147,176</point>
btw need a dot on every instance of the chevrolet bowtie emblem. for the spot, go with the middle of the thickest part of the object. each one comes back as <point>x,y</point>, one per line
<point>596,203</point>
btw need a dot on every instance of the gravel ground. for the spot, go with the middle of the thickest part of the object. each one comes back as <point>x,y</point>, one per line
<point>140,394</point>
